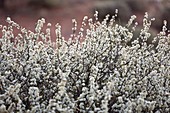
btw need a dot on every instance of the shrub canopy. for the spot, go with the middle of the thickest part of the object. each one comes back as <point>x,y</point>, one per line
<point>101,68</point>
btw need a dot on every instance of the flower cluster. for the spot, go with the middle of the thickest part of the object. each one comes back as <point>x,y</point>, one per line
<point>101,68</point>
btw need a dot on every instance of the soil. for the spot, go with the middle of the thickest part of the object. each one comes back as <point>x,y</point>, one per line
<point>27,17</point>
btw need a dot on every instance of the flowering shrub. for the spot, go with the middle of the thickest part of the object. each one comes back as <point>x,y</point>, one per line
<point>104,72</point>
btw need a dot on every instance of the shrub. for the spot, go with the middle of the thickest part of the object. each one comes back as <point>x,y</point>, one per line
<point>96,70</point>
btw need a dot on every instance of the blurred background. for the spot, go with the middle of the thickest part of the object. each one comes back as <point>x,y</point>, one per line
<point>27,12</point>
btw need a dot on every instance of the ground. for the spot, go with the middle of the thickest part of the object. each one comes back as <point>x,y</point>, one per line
<point>63,15</point>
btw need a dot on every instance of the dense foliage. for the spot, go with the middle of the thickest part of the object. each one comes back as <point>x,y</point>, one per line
<point>99,69</point>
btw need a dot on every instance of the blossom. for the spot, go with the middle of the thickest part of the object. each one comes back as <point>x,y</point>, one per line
<point>108,72</point>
